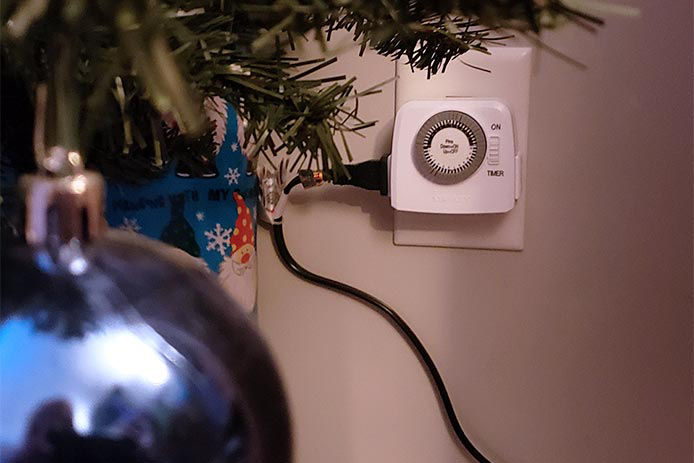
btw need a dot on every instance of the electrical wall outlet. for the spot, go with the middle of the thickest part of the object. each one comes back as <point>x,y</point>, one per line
<point>473,221</point>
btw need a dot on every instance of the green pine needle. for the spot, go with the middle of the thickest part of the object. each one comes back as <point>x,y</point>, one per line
<point>138,60</point>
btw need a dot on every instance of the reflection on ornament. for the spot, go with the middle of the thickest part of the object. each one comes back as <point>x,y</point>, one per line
<point>140,358</point>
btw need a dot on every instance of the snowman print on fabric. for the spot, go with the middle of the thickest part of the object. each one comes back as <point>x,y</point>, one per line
<point>209,216</point>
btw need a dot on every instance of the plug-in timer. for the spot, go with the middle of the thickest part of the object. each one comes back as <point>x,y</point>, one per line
<point>454,156</point>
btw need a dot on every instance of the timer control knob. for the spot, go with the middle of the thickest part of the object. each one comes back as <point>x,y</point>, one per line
<point>450,146</point>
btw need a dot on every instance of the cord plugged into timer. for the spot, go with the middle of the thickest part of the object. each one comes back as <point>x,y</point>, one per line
<point>370,175</point>
<point>450,156</point>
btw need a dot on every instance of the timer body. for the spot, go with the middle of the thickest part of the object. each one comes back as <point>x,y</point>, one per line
<point>454,156</point>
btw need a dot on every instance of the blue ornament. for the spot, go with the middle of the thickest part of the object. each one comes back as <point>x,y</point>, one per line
<point>115,350</point>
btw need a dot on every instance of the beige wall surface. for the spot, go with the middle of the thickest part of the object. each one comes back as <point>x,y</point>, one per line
<point>579,348</point>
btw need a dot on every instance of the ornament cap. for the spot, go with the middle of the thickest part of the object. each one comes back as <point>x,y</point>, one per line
<point>63,210</point>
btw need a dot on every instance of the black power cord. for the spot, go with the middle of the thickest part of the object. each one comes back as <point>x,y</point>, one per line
<point>387,312</point>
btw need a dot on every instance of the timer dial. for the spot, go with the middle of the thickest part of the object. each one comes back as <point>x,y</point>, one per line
<point>450,146</point>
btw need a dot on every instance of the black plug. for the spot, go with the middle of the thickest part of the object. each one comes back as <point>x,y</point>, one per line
<point>369,175</point>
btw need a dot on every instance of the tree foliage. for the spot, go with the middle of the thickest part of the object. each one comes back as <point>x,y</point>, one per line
<point>114,69</point>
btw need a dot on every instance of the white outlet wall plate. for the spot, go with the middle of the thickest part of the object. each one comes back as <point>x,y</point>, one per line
<point>508,80</point>
<point>454,156</point>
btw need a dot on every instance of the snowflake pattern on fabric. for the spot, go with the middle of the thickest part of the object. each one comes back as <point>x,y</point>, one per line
<point>218,239</point>
<point>130,225</point>
<point>197,214</point>
<point>232,176</point>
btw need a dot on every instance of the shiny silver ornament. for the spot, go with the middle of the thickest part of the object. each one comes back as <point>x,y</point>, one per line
<point>112,350</point>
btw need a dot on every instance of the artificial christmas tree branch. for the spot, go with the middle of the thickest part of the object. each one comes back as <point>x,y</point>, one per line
<point>139,61</point>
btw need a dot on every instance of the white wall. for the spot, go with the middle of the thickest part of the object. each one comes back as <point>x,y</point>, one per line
<point>579,348</point>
